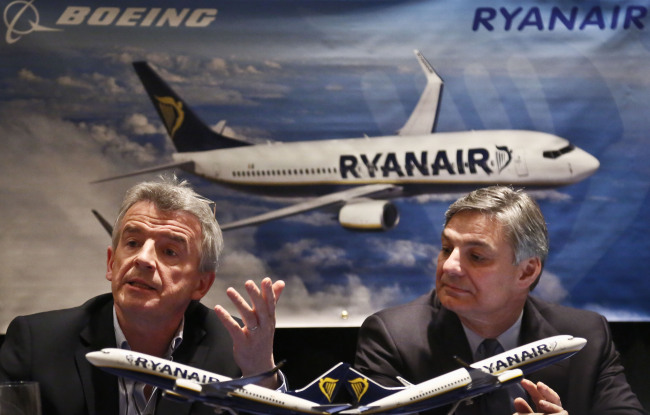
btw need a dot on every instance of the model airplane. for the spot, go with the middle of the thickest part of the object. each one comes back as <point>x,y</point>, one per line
<point>360,175</point>
<point>186,383</point>
<point>462,384</point>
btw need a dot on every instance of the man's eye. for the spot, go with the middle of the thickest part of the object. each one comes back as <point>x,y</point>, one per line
<point>445,250</point>
<point>477,257</point>
<point>131,243</point>
<point>170,252</point>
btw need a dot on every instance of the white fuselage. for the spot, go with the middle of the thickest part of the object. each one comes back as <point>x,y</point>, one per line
<point>457,385</point>
<point>525,158</point>
<point>164,374</point>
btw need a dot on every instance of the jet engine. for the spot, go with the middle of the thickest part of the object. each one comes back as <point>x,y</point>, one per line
<point>369,215</point>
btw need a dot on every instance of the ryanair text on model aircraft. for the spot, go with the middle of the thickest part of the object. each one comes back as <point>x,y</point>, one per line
<point>360,175</point>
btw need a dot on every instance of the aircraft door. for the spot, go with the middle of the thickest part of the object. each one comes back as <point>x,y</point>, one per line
<point>520,163</point>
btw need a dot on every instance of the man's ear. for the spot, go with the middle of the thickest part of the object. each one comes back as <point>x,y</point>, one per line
<point>109,263</point>
<point>529,270</point>
<point>205,282</point>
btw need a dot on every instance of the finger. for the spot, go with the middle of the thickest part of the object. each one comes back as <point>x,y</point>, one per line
<point>548,407</point>
<point>531,388</point>
<point>271,292</point>
<point>265,307</point>
<point>549,394</point>
<point>229,322</point>
<point>245,311</point>
<point>278,288</point>
<point>257,297</point>
<point>522,407</point>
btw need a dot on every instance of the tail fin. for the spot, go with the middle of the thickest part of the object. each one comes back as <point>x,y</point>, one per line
<point>323,389</point>
<point>366,390</point>
<point>186,130</point>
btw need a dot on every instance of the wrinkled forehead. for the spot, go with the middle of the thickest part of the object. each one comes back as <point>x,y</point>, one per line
<point>476,226</point>
<point>144,216</point>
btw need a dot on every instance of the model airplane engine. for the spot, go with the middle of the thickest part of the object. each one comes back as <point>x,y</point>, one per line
<point>369,215</point>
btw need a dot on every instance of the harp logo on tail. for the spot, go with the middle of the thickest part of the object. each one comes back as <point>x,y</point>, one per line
<point>172,113</point>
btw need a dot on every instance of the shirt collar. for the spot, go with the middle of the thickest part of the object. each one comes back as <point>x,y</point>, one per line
<point>122,343</point>
<point>508,339</point>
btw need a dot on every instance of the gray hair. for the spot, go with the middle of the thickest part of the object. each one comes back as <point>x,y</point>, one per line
<point>170,194</point>
<point>519,214</point>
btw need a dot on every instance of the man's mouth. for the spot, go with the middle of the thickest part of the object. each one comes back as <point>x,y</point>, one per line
<point>141,285</point>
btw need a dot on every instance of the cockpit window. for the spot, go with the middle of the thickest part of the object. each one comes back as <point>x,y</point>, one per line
<point>553,154</point>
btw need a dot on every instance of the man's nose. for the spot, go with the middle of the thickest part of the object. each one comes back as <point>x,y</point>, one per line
<point>146,256</point>
<point>451,264</point>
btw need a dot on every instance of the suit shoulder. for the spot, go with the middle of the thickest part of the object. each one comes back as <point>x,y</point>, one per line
<point>67,316</point>
<point>568,319</point>
<point>413,310</point>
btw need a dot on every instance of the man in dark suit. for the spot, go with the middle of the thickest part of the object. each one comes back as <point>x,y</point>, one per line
<point>162,261</point>
<point>494,244</point>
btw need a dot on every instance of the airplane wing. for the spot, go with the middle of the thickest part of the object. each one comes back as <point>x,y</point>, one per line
<point>185,165</point>
<point>424,116</point>
<point>311,204</point>
<point>221,389</point>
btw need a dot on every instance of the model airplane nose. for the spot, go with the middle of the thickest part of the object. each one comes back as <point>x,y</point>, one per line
<point>99,358</point>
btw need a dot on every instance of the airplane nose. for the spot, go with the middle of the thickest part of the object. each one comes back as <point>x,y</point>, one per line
<point>584,165</point>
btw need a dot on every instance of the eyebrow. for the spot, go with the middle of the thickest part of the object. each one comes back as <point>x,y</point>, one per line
<point>134,229</point>
<point>471,242</point>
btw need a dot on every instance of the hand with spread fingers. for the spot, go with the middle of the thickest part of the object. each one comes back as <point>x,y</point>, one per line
<point>253,342</point>
<point>547,401</point>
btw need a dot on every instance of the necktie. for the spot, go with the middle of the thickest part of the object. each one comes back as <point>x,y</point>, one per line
<point>500,401</point>
<point>497,402</point>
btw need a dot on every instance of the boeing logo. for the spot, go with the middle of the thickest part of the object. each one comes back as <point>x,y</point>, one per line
<point>22,18</point>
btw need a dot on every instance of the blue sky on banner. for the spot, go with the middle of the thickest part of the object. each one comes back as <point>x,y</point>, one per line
<point>72,110</point>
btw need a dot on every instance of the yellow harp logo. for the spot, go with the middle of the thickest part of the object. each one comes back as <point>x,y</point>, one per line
<point>327,386</point>
<point>172,113</point>
<point>359,386</point>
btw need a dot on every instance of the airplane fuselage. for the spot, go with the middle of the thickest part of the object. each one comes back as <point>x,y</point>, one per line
<point>460,384</point>
<point>419,164</point>
<point>165,374</point>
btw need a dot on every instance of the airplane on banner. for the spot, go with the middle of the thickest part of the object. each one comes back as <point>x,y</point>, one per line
<point>185,383</point>
<point>359,176</point>
<point>462,385</point>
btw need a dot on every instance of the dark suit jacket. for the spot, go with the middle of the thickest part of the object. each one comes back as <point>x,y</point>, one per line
<point>50,348</point>
<point>418,340</point>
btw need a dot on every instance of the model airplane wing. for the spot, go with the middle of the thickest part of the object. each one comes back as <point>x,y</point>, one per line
<point>316,203</point>
<point>221,389</point>
<point>423,118</point>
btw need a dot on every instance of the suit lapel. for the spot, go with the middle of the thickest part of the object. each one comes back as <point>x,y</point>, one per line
<point>447,337</point>
<point>191,352</point>
<point>535,327</point>
<point>99,387</point>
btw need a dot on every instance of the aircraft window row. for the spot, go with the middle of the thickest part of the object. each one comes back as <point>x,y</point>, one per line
<point>436,390</point>
<point>284,172</point>
<point>265,398</point>
<point>553,154</point>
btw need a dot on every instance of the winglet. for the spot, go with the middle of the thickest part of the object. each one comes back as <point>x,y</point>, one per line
<point>424,117</point>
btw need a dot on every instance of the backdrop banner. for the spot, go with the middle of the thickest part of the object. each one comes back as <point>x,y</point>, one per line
<point>73,110</point>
